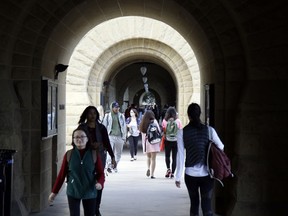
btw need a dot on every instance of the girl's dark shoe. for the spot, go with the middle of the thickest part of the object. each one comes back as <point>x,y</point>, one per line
<point>168,173</point>
<point>98,213</point>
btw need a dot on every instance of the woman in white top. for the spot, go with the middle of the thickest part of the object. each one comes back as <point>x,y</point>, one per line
<point>194,138</point>
<point>132,123</point>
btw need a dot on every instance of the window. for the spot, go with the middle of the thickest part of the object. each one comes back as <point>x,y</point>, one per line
<point>48,108</point>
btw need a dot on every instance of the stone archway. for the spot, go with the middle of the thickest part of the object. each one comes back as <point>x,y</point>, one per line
<point>95,58</point>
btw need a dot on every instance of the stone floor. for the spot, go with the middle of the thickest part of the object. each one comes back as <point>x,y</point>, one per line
<point>130,192</point>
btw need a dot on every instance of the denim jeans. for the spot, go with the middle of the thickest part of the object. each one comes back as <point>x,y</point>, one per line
<point>205,184</point>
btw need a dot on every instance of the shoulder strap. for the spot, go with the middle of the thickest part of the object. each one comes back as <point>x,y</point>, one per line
<point>209,133</point>
<point>208,152</point>
<point>105,118</point>
<point>68,155</point>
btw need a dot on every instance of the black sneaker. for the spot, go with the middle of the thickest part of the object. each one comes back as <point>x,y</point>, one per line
<point>97,213</point>
<point>168,173</point>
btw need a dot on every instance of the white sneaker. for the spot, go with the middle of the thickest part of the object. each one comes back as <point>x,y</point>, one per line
<point>132,159</point>
<point>115,170</point>
<point>135,158</point>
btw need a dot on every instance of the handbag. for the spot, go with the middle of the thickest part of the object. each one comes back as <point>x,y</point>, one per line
<point>162,144</point>
<point>218,163</point>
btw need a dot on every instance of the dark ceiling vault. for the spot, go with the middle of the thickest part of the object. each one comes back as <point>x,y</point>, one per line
<point>131,77</point>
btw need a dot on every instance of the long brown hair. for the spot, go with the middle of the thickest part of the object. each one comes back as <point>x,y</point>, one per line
<point>146,119</point>
<point>170,113</point>
<point>83,116</point>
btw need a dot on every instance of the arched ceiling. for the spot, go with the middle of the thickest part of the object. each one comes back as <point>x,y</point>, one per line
<point>207,28</point>
<point>58,27</point>
<point>85,17</point>
<point>158,79</point>
<point>107,48</point>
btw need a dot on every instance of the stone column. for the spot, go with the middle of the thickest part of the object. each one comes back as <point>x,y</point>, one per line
<point>11,138</point>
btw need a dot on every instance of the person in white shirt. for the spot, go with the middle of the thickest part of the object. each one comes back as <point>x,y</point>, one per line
<point>132,123</point>
<point>194,138</point>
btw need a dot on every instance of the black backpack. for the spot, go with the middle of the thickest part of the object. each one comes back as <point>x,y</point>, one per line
<point>153,134</point>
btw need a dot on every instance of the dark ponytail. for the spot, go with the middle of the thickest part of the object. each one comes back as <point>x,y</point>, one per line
<point>194,112</point>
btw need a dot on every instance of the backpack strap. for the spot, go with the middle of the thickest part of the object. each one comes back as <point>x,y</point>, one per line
<point>209,152</point>
<point>68,155</point>
<point>105,117</point>
<point>209,133</point>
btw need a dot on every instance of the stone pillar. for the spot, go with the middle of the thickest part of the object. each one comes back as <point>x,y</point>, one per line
<point>261,149</point>
<point>11,138</point>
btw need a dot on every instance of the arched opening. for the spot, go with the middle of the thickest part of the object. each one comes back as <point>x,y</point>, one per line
<point>130,84</point>
<point>147,99</point>
<point>91,68</point>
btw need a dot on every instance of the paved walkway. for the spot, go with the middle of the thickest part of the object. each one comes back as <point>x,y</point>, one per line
<point>129,192</point>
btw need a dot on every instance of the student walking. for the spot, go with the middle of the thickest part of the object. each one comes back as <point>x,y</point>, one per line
<point>132,123</point>
<point>194,138</point>
<point>149,149</point>
<point>116,128</point>
<point>171,124</point>
<point>84,172</point>
<point>90,119</point>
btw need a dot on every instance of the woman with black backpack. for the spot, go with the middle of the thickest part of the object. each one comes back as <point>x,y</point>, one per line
<point>149,147</point>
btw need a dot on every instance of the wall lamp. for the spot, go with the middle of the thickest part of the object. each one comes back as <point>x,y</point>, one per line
<point>144,79</point>
<point>58,69</point>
